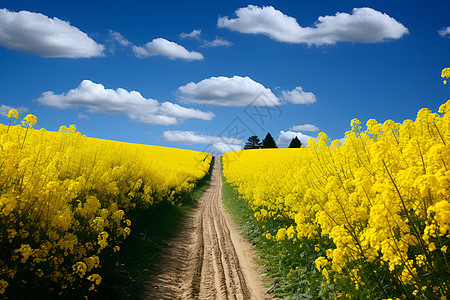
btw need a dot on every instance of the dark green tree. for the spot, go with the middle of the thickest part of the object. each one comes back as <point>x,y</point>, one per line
<point>295,143</point>
<point>269,142</point>
<point>252,143</point>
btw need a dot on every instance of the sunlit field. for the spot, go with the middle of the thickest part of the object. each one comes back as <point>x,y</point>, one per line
<point>64,199</point>
<point>375,209</point>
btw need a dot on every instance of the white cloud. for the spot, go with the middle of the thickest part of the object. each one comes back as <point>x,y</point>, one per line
<point>298,96</point>
<point>228,91</point>
<point>217,42</point>
<point>444,32</point>
<point>190,138</point>
<point>166,48</point>
<point>97,99</point>
<point>217,145</point>
<point>218,149</point>
<point>4,109</point>
<point>119,38</point>
<point>286,137</point>
<point>364,25</point>
<point>82,116</point>
<point>195,34</point>
<point>38,34</point>
<point>305,127</point>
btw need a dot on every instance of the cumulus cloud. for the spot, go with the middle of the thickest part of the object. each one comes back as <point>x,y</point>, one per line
<point>190,138</point>
<point>4,109</point>
<point>305,127</point>
<point>217,144</point>
<point>195,34</point>
<point>364,25</point>
<point>444,32</point>
<point>298,96</point>
<point>228,91</point>
<point>38,34</point>
<point>286,137</point>
<point>217,42</point>
<point>97,99</point>
<point>218,149</point>
<point>166,48</point>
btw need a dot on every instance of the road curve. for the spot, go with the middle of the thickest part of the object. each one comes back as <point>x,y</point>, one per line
<point>208,259</point>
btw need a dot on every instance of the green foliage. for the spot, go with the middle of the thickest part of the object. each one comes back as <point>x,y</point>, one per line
<point>253,142</point>
<point>269,142</point>
<point>295,143</point>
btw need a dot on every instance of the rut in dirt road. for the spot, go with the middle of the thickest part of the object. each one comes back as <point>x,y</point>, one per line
<point>209,259</point>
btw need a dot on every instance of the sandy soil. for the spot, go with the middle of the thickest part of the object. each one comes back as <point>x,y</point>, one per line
<point>208,259</point>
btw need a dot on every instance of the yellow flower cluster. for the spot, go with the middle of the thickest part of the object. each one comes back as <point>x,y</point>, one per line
<point>382,197</point>
<point>445,74</point>
<point>64,199</point>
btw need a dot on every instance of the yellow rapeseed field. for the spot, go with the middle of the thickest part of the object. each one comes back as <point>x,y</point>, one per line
<point>64,199</point>
<point>382,197</point>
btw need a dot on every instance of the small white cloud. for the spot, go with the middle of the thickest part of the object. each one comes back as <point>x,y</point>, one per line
<point>444,32</point>
<point>4,109</point>
<point>195,34</point>
<point>286,137</point>
<point>190,138</point>
<point>364,25</point>
<point>298,96</point>
<point>218,149</point>
<point>38,34</point>
<point>163,47</point>
<point>97,99</point>
<point>228,91</point>
<point>305,127</point>
<point>119,38</point>
<point>218,42</point>
<point>217,145</point>
<point>82,116</point>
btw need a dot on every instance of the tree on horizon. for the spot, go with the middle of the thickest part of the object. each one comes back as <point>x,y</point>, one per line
<point>253,142</point>
<point>269,142</point>
<point>295,143</point>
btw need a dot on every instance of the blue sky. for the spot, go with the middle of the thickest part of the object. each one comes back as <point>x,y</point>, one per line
<point>205,75</point>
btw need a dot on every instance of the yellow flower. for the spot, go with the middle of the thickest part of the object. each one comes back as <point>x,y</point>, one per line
<point>3,285</point>
<point>13,114</point>
<point>80,268</point>
<point>432,247</point>
<point>95,278</point>
<point>30,120</point>
<point>321,262</point>
<point>445,73</point>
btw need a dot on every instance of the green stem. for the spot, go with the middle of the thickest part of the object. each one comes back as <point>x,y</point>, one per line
<point>416,230</point>
<point>9,125</point>
<point>23,143</point>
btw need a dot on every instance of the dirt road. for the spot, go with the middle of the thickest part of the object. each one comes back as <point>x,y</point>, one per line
<point>209,259</point>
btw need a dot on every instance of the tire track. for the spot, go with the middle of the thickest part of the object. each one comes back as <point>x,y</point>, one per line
<point>209,259</point>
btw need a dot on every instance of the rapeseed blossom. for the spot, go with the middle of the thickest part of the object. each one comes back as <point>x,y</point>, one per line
<point>65,198</point>
<point>381,198</point>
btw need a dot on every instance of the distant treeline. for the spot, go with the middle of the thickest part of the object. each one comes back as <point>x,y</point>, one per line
<point>254,142</point>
